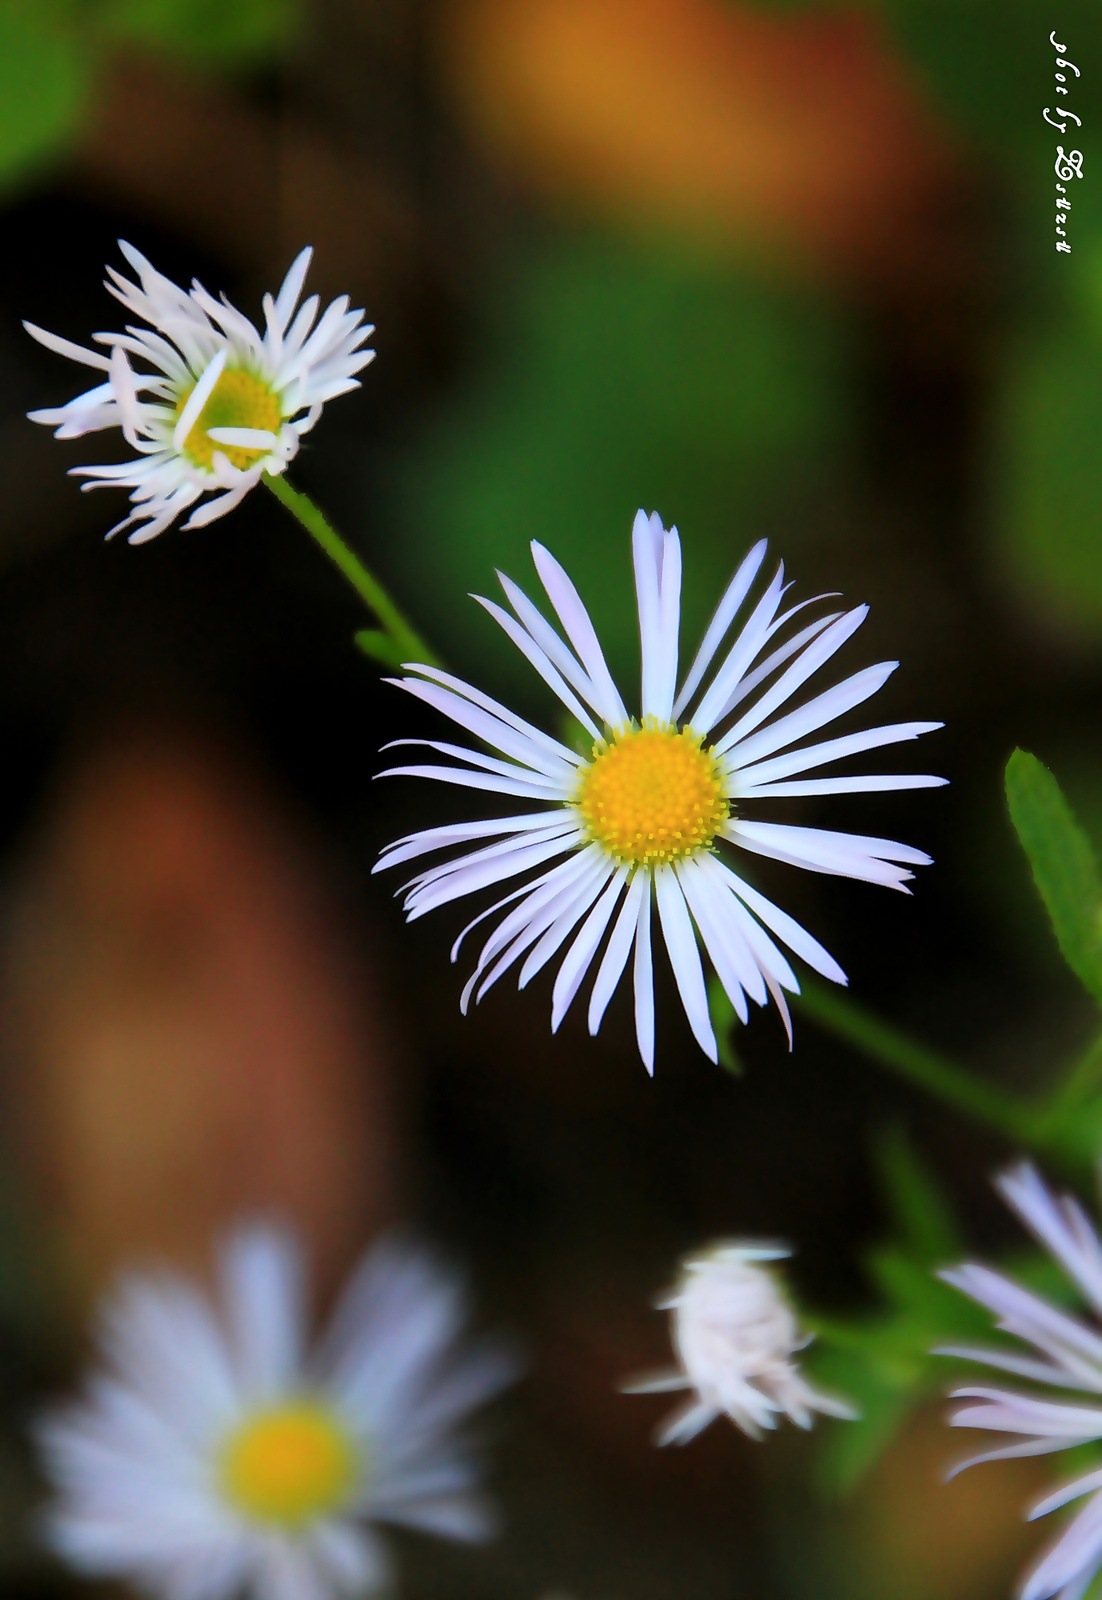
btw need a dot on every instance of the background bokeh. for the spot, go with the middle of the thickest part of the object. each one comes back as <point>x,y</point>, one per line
<point>783,270</point>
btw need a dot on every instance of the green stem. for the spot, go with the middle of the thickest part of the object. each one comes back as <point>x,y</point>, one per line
<point>408,645</point>
<point>920,1065</point>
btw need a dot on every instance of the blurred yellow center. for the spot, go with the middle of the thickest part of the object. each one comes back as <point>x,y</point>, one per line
<point>238,400</point>
<point>288,1465</point>
<point>652,795</point>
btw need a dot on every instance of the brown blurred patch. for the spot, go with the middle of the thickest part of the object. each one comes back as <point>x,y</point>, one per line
<point>247,184</point>
<point>799,131</point>
<point>191,1038</point>
<point>916,1537</point>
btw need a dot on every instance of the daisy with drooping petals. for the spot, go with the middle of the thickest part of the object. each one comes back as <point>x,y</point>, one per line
<point>214,1454</point>
<point>1066,1354</point>
<point>639,821</point>
<point>735,1336</point>
<point>224,402</point>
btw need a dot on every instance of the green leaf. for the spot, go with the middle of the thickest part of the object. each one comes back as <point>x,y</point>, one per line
<point>379,646</point>
<point>918,1207</point>
<point>211,30</point>
<point>724,1022</point>
<point>45,79</point>
<point>1065,867</point>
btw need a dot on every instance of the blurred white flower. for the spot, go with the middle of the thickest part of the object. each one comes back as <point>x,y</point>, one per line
<point>641,818</point>
<point>1068,1356</point>
<point>214,1453</point>
<point>224,402</point>
<point>735,1335</point>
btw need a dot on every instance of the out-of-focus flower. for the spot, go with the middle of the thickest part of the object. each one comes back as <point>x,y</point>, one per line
<point>735,1335</point>
<point>1067,1355</point>
<point>214,1452</point>
<point>641,818</point>
<point>225,402</point>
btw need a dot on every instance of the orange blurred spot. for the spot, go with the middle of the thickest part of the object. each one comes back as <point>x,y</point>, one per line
<point>195,1039</point>
<point>799,131</point>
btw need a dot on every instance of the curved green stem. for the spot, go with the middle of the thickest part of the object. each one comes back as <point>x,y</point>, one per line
<point>1007,1113</point>
<point>396,641</point>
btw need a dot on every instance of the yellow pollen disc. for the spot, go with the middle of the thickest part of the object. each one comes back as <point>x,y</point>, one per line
<point>653,795</point>
<point>238,400</point>
<point>288,1465</point>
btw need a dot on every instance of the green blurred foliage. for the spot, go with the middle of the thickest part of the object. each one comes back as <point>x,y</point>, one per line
<point>52,51</point>
<point>987,65</point>
<point>882,1360</point>
<point>45,80</point>
<point>615,374</point>
<point>233,32</point>
<point>1046,468</point>
<point>1064,865</point>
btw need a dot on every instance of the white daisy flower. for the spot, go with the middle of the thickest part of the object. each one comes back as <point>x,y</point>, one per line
<point>1067,1354</point>
<point>213,1453</point>
<point>639,821</point>
<point>735,1335</point>
<point>223,403</point>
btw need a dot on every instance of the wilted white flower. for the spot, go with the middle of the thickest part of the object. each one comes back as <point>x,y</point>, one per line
<point>214,1453</point>
<point>1068,1356</point>
<point>735,1335</point>
<point>640,819</point>
<point>224,402</point>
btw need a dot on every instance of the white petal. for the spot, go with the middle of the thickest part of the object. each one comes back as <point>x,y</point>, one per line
<point>264,1290</point>
<point>580,631</point>
<point>677,931</point>
<point>657,562</point>
<point>539,659</point>
<point>829,750</point>
<point>245,438</point>
<point>725,613</point>
<point>577,961</point>
<point>643,981</point>
<point>1060,1224</point>
<point>197,399</point>
<point>824,708</point>
<point>810,659</point>
<point>65,347</point>
<point>291,287</point>
<point>617,950</point>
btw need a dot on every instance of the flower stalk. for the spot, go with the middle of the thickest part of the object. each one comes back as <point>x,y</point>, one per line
<point>395,641</point>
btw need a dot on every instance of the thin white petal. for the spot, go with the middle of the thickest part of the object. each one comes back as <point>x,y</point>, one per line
<point>581,633</point>
<point>725,613</point>
<point>677,931</point>
<point>577,960</point>
<point>197,399</point>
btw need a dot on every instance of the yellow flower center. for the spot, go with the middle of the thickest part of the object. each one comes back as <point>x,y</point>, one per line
<point>238,400</point>
<point>652,795</point>
<point>288,1465</point>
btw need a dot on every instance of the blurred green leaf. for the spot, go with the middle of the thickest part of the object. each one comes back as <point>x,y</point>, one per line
<point>379,646</point>
<point>1065,867</point>
<point>882,1360</point>
<point>724,1023</point>
<point>1046,467</point>
<point>988,64</point>
<point>921,1213</point>
<point>612,374</point>
<point>45,79</point>
<point>214,30</point>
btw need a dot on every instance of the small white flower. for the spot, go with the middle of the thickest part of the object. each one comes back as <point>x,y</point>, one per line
<point>735,1335</point>
<point>224,402</point>
<point>640,819</point>
<point>1068,1356</point>
<point>213,1453</point>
